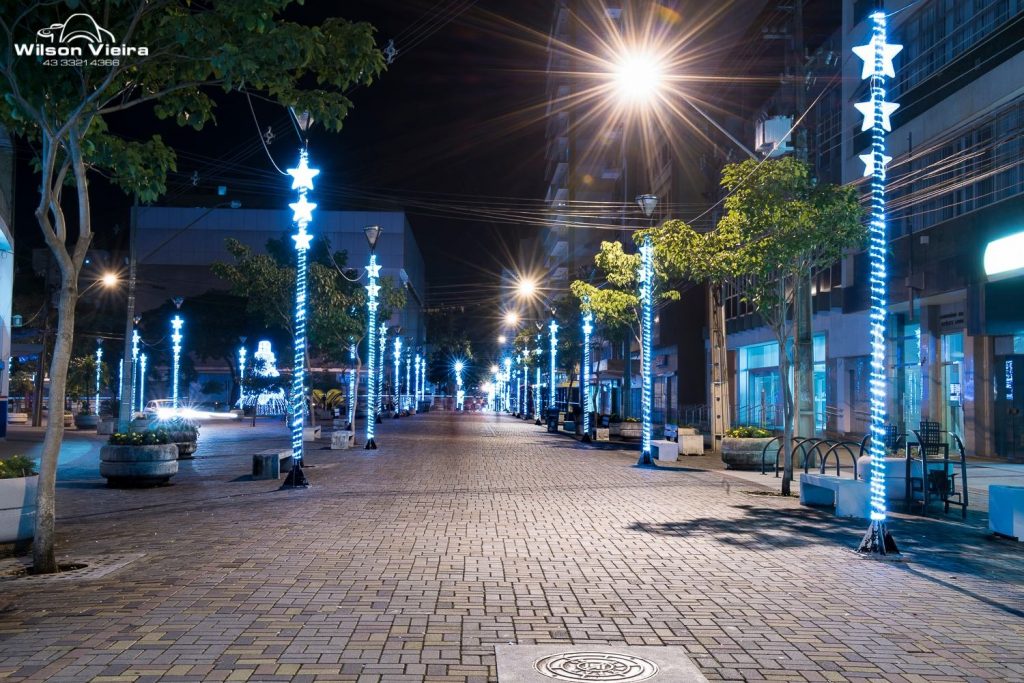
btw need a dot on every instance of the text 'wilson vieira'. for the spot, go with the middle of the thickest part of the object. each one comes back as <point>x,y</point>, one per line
<point>95,50</point>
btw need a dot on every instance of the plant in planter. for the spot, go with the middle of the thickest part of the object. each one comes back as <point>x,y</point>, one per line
<point>18,482</point>
<point>630,428</point>
<point>139,458</point>
<point>742,447</point>
<point>614,424</point>
<point>183,433</point>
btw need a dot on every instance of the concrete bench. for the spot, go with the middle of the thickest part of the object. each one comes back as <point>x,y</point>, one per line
<point>311,433</point>
<point>849,496</point>
<point>269,463</point>
<point>341,440</point>
<point>691,444</point>
<point>667,451</point>
<point>1006,510</point>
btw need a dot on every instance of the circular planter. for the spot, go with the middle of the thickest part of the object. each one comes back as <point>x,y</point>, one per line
<point>141,424</point>
<point>87,420</point>
<point>186,449</point>
<point>18,508</point>
<point>139,465</point>
<point>744,454</point>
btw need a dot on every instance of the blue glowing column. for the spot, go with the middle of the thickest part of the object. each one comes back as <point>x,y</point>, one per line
<point>524,399</point>
<point>508,385</point>
<point>176,337</point>
<point>135,367</point>
<point>352,398</point>
<point>397,389</point>
<point>242,353</point>
<point>302,210</point>
<point>120,380</point>
<point>460,394</point>
<point>372,291</point>
<point>99,366</point>
<point>416,386</point>
<point>553,330</point>
<point>405,396</point>
<point>536,393</point>
<point>142,382</point>
<point>645,277</point>
<point>877,55</point>
<point>382,348</point>
<point>588,327</point>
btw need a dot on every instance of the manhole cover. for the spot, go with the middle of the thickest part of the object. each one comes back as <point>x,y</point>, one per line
<point>596,666</point>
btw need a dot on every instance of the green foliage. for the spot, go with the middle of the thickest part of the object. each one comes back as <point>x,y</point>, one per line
<point>449,342</point>
<point>150,437</point>
<point>326,400</point>
<point>631,419</point>
<point>81,382</point>
<point>178,429</point>
<point>747,432</point>
<point>17,466</point>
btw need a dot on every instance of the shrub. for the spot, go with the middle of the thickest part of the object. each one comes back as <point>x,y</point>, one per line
<point>17,466</point>
<point>150,437</point>
<point>632,419</point>
<point>748,432</point>
<point>179,429</point>
<point>615,417</point>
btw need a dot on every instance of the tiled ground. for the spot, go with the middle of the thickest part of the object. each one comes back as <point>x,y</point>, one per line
<point>463,531</point>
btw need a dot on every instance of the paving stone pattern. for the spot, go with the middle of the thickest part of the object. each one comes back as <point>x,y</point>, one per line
<point>410,563</point>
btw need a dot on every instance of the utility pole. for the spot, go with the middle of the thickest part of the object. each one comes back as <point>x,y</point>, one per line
<point>124,412</point>
<point>803,346</point>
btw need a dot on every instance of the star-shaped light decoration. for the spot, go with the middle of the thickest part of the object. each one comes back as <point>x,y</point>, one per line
<point>868,110</point>
<point>373,289</point>
<point>867,53</point>
<point>302,239</point>
<point>373,270</point>
<point>302,177</point>
<point>303,210</point>
<point>869,163</point>
<point>177,322</point>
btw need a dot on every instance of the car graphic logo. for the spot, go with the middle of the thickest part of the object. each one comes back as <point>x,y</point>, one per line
<point>79,26</point>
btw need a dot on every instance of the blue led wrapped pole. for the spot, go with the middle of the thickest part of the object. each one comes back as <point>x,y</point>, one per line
<point>372,388</point>
<point>99,366</point>
<point>553,329</point>
<point>877,56</point>
<point>397,389</point>
<point>176,337</point>
<point>646,281</point>
<point>588,327</point>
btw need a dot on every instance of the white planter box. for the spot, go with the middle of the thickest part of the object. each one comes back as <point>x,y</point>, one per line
<point>1006,510</point>
<point>311,433</point>
<point>106,426</point>
<point>17,508</point>
<point>691,444</point>
<point>667,451</point>
<point>17,418</point>
<point>340,440</point>
<point>601,434</point>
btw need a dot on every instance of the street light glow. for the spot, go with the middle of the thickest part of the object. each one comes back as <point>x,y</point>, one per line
<point>110,279</point>
<point>511,319</point>
<point>637,76</point>
<point>527,287</point>
<point>502,339</point>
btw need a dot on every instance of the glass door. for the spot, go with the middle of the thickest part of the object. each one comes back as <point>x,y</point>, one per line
<point>952,381</point>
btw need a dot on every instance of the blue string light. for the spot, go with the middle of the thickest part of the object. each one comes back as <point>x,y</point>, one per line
<point>877,55</point>
<point>135,366</point>
<point>588,327</point>
<point>352,388</point>
<point>553,333</point>
<point>99,362</point>
<point>142,382</point>
<point>397,389</point>
<point>242,353</point>
<point>302,210</point>
<point>382,348</point>
<point>176,337</point>
<point>372,290</point>
<point>646,279</point>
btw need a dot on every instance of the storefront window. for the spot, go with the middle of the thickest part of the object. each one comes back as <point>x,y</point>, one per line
<point>759,400</point>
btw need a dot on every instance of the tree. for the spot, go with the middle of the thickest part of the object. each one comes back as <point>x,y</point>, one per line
<point>449,342</point>
<point>183,51</point>
<point>779,226</point>
<point>615,300</point>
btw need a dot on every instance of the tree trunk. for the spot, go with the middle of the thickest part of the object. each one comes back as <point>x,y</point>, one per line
<point>627,379</point>
<point>43,554</point>
<point>803,352</point>
<point>787,414</point>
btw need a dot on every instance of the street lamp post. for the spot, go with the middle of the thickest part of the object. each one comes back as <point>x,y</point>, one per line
<point>176,337</point>
<point>135,370</point>
<point>242,353</point>
<point>588,318</point>
<point>372,291</point>
<point>553,331</point>
<point>508,384</point>
<point>302,216</point>
<point>645,278</point>
<point>142,382</point>
<point>352,398</point>
<point>460,394</point>
<point>99,365</point>
<point>408,387</point>
<point>397,389</point>
<point>382,348</point>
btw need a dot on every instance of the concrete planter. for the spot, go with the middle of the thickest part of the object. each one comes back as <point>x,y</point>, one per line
<point>18,508</point>
<point>186,449</point>
<point>687,431</point>
<point>614,428</point>
<point>601,434</point>
<point>141,424</point>
<point>87,421</point>
<point>743,454</point>
<point>569,426</point>
<point>139,465</point>
<point>107,426</point>
<point>630,430</point>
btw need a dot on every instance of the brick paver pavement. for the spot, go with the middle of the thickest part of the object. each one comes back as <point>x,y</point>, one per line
<point>463,531</point>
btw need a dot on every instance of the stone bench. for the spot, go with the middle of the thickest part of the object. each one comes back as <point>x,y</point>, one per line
<point>341,440</point>
<point>1006,510</point>
<point>691,444</point>
<point>311,433</point>
<point>269,463</point>
<point>667,451</point>
<point>849,496</point>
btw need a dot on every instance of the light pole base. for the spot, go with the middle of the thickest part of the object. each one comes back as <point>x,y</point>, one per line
<point>586,438</point>
<point>878,543</point>
<point>371,445</point>
<point>296,478</point>
<point>378,419</point>
<point>537,422</point>
<point>645,459</point>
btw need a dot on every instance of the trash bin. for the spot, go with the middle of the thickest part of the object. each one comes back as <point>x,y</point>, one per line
<point>552,420</point>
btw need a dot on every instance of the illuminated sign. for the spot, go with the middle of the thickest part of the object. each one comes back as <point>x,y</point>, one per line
<point>1005,255</point>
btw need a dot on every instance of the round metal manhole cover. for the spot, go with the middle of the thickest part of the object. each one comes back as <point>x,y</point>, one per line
<point>596,666</point>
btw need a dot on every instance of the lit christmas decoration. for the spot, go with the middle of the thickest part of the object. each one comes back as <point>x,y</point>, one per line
<point>135,365</point>
<point>405,397</point>
<point>507,378</point>
<point>302,180</point>
<point>646,280</point>
<point>352,398</point>
<point>588,327</point>
<point>242,353</point>
<point>416,386</point>
<point>372,270</point>
<point>877,55</point>
<point>264,365</point>
<point>99,367</point>
<point>397,389</point>
<point>383,340</point>
<point>553,330</point>
<point>142,382</point>
<point>460,395</point>
<point>176,337</point>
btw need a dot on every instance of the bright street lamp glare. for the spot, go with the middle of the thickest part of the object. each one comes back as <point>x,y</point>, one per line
<point>511,318</point>
<point>494,368</point>
<point>109,279</point>
<point>637,76</point>
<point>502,339</point>
<point>458,366</point>
<point>526,287</point>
